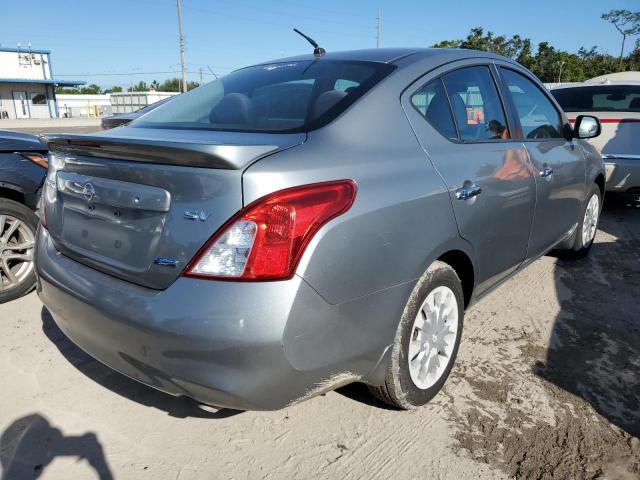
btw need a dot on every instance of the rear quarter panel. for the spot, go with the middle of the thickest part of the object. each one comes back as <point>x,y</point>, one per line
<point>402,217</point>
<point>17,174</point>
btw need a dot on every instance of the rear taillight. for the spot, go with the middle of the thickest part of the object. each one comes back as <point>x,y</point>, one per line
<point>266,239</point>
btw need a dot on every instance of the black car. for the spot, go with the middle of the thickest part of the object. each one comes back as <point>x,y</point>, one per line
<point>23,167</point>
<point>124,118</point>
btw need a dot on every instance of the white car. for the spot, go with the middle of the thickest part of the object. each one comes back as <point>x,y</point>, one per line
<point>617,104</point>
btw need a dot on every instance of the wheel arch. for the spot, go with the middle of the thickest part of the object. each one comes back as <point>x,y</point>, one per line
<point>463,266</point>
<point>11,193</point>
<point>600,181</point>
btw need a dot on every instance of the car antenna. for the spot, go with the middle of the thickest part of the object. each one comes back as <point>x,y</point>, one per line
<point>317,51</point>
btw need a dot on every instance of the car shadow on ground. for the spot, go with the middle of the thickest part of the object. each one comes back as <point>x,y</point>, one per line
<point>180,407</point>
<point>31,443</point>
<point>360,393</point>
<point>594,349</point>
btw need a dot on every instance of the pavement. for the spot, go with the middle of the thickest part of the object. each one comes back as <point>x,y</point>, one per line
<point>547,385</point>
<point>54,125</point>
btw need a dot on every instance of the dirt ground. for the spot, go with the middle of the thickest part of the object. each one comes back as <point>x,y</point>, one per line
<point>547,385</point>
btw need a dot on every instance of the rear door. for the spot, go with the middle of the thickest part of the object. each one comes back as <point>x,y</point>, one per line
<point>490,183</point>
<point>558,163</point>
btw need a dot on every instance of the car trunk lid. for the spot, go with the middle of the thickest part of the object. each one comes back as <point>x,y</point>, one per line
<point>140,205</point>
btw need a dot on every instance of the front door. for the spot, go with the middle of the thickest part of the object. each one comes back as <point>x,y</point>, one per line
<point>21,105</point>
<point>487,173</point>
<point>558,163</point>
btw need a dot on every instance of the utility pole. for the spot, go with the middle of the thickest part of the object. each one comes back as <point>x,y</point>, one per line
<point>378,30</point>
<point>181,41</point>
<point>201,75</point>
<point>560,72</point>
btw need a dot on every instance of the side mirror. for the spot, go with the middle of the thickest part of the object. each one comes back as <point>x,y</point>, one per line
<point>586,127</point>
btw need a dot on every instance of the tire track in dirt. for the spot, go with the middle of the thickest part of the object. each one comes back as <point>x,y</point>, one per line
<point>555,393</point>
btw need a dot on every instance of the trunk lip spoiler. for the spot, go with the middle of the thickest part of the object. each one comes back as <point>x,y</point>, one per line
<point>620,156</point>
<point>231,156</point>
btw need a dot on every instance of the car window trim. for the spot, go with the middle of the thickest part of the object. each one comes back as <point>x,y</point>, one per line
<point>480,61</point>
<point>487,64</point>
<point>453,120</point>
<point>548,95</point>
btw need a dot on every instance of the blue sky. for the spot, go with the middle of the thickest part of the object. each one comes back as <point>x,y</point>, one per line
<point>119,42</point>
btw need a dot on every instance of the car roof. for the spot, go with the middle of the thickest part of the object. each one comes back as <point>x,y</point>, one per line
<point>392,55</point>
<point>591,85</point>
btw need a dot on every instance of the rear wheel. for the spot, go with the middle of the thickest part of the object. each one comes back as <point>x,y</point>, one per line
<point>587,225</point>
<point>18,227</point>
<point>427,340</point>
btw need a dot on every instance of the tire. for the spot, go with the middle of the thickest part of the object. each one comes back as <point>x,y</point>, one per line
<point>26,223</point>
<point>404,386</point>
<point>582,246</point>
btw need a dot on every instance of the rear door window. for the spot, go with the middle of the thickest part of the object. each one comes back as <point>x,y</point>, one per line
<point>476,105</point>
<point>538,117</point>
<point>432,103</point>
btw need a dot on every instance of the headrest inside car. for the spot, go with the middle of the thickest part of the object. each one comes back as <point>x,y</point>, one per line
<point>326,101</point>
<point>233,109</point>
<point>635,103</point>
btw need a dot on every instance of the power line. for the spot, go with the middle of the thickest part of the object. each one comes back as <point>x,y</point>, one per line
<point>107,74</point>
<point>262,21</point>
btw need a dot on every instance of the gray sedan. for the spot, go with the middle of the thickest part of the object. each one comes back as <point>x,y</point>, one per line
<point>310,222</point>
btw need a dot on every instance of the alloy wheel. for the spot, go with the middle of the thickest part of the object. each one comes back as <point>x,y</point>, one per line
<point>16,252</point>
<point>590,221</point>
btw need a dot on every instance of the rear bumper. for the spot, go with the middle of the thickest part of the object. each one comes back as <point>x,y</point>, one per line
<point>623,174</point>
<point>247,346</point>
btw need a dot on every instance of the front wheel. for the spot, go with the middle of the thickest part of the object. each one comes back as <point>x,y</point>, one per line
<point>587,226</point>
<point>427,340</point>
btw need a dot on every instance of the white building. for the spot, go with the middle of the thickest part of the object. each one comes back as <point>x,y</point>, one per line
<point>125,102</point>
<point>27,84</point>
<point>82,105</point>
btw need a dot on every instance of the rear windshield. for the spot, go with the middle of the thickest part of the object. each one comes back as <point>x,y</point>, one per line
<point>600,98</point>
<point>279,97</point>
<point>154,105</point>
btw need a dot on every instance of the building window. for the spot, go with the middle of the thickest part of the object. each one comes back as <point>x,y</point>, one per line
<point>38,99</point>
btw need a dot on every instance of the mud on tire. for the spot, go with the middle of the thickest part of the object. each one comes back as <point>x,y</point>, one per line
<point>399,389</point>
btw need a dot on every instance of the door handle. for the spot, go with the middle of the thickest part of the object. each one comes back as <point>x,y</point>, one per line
<point>465,193</point>
<point>546,172</point>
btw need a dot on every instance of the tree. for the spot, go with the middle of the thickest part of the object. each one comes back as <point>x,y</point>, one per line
<point>515,47</point>
<point>626,22</point>
<point>174,85</point>
<point>92,89</point>
<point>115,89</point>
<point>169,85</point>
<point>634,57</point>
<point>140,87</point>
<point>547,62</point>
